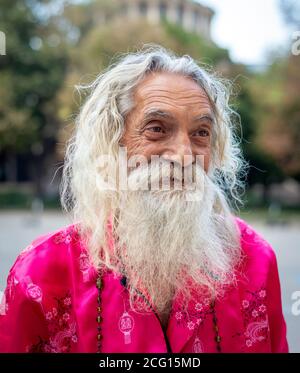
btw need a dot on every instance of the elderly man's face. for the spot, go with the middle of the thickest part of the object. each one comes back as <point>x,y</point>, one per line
<point>172,117</point>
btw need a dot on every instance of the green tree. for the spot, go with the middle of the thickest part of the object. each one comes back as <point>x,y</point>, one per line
<point>31,73</point>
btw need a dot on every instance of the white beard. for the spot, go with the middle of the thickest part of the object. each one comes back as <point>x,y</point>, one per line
<point>165,240</point>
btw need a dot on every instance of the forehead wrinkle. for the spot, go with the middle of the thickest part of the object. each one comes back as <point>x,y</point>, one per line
<point>167,106</point>
<point>203,101</point>
<point>190,98</point>
<point>183,94</point>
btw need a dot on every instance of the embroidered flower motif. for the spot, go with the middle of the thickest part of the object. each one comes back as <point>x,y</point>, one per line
<point>49,315</point>
<point>198,307</point>
<point>61,326</point>
<point>178,315</point>
<point>262,308</point>
<point>194,315</point>
<point>67,301</point>
<point>66,236</point>
<point>66,316</point>
<point>34,292</point>
<point>262,294</point>
<point>68,239</point>
<point>245,303</point>
<point>254,313</point>
<point>60,238</point>
<point>191,325</point>
<point>207,301</point>
<point>248,343</point>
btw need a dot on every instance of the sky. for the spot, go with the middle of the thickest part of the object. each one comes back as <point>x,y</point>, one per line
<point>249,29</point>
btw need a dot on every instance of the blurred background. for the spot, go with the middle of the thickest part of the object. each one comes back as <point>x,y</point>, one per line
<point>47,47</point>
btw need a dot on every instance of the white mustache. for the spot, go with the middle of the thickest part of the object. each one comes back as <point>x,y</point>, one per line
<point>164,175</point>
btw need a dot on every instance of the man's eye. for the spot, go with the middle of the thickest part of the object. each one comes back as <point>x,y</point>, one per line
<point>202,133</point>
<point>156,129</point>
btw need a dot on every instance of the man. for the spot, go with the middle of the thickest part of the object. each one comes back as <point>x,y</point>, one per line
<point>155,260</point>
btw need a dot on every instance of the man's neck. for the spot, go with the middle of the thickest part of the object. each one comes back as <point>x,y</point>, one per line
<point>164,316</point>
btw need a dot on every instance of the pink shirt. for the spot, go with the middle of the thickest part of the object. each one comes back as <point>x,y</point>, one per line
<point>50,304</point>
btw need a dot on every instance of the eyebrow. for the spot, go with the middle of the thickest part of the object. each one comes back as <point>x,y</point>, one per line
<point>154,113</point>
<point>201,117</point>
<point>157,113</point>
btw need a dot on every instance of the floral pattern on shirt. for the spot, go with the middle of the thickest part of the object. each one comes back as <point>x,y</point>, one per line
<point>255,318</point>
<point>61,327</point>
<point>67,236</point>
<point>9,294</point>
<point>193,317</point>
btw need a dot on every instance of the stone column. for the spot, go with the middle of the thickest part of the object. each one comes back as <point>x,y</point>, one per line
<point>188,18</point>
<point>153,15</point>
<point>172,11</point>
<point>133,10</point>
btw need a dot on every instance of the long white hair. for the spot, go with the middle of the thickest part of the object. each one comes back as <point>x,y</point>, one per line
<point>99,129</point>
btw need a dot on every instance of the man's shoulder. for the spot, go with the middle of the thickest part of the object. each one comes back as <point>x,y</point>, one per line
<point>49,254</point>
<point>255,247</point>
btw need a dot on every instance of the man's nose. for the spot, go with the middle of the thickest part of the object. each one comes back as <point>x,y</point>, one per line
<point>181,151</point>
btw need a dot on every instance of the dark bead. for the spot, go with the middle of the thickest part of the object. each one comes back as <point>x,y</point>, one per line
<point>123,281</point>
<point>99,283</point>
<point>218,339</point>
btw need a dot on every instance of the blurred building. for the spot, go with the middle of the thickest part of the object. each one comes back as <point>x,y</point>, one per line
<point>190,14</point>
